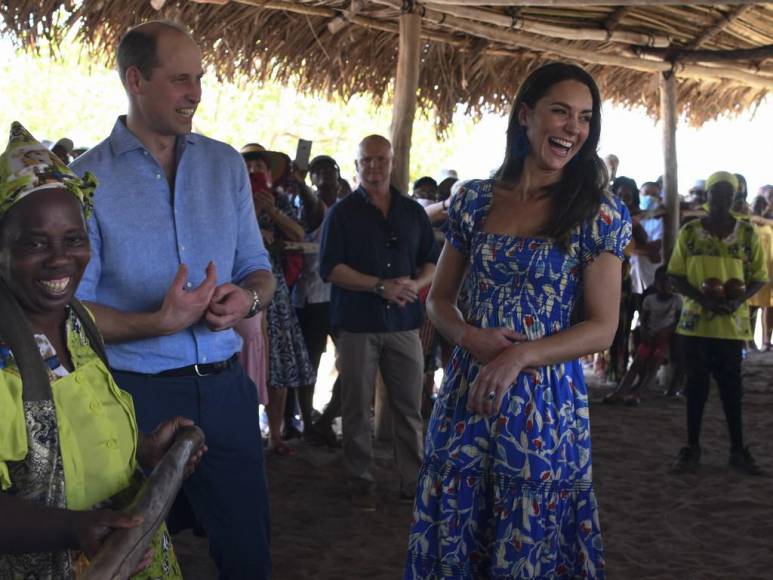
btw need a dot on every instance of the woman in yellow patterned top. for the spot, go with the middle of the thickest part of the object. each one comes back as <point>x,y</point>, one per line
<point>69,446</point>
<point>715,327</point>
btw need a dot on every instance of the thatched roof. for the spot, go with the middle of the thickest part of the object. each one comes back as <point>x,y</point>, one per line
<point>475,53</point>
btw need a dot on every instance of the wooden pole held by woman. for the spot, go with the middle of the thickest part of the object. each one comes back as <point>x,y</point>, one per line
<point>124,548</point>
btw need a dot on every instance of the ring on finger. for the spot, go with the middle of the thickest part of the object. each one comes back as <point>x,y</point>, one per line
<point>492,395</point>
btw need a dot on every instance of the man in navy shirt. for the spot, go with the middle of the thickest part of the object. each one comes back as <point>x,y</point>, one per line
<point>177,261</point>
<point>378,252</point>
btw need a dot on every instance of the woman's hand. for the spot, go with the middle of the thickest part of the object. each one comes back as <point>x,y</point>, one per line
<point>298,175</point>
<point>494,379</point>
<point>485,344</point>
<point>264,201</point>
<point>268,237</point>
<point>91,528</point>
<point>153,446</point>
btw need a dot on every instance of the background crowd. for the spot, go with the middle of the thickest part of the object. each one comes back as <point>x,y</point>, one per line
<point>301,257</point>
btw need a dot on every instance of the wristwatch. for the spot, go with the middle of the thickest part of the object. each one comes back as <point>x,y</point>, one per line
<point>379,287</point>
<point>255,308</point>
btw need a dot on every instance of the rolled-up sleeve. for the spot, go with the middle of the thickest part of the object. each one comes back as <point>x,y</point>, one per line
<point>251,254</point>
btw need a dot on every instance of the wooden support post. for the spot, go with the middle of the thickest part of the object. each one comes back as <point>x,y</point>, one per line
<point>406,85</point>
<point>668,117</point>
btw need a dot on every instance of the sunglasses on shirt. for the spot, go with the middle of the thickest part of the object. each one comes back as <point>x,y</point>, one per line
<point>392,240</point>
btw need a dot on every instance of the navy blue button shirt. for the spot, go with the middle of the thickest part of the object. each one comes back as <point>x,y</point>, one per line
<point>356,233</point>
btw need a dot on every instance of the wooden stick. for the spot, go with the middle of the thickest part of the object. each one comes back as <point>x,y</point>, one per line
<point>586,3</point>
<point>123,548</point>
<point>294,7</point>
<point>614,19</point>
<point>404,108</point>
<point>684,55</point>
<point>750,68</point>
<point>723,22</point>
<point>668,116</point>
<point>551,30</point>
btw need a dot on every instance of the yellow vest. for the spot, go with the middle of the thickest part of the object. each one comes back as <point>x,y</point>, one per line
<point>97,426</point>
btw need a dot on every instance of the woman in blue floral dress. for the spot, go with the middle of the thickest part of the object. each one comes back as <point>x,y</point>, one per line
<point>505,490</point>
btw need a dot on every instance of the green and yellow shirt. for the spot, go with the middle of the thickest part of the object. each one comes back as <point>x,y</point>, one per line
<point>699,255</point>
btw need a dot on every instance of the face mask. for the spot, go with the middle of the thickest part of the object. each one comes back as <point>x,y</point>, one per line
<point>648,202</point>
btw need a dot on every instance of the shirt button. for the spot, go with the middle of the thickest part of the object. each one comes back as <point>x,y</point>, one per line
<point>182,248</point>
<point>79,379</point>
<point>94,406</point>
<point>145,153</point>
<point>111,444</point>
<point>158,176</point>
<point>203,359</point>
<point>389,264</point>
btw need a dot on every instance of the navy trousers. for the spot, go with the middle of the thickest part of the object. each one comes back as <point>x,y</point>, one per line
<point>228,491</point>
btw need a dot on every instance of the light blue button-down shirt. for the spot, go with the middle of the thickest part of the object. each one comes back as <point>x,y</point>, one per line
<point>141,232</point>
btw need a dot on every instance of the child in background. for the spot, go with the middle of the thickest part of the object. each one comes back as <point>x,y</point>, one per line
<point>660,313</point>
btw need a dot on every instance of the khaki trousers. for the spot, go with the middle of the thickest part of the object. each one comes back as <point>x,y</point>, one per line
<point>398,355</point>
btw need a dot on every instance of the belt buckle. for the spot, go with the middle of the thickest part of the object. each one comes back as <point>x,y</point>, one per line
<point>198,372</point>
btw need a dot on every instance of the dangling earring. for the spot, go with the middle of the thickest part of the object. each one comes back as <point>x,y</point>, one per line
<point>521,143</point>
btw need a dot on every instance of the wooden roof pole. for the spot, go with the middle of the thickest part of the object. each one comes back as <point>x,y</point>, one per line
<point>668,117</point>
<point>404,108</point>
<point>403,114</point>
<point>552,30</point>
<point>585,3</point>
<point>544,44</point>
<point>760,53</point>
<point>722,23</point>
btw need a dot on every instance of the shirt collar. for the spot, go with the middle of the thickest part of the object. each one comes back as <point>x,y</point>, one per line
<point>360,191</point>
<point>123,140</point>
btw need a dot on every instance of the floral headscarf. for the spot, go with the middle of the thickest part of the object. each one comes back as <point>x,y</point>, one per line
<point>27,166</point>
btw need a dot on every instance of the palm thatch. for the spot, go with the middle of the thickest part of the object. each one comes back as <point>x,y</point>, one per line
<point>475,52</point>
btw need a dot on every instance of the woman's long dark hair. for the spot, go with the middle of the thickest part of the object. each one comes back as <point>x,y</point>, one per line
<point>577,195</point>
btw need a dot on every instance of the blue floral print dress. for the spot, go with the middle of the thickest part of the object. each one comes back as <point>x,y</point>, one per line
<point>510,496</point>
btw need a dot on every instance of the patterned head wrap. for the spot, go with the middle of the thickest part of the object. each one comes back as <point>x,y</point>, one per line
<point>27,166</point>
<point>721,176</point>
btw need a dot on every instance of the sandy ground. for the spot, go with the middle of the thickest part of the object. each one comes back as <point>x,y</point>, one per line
<point>709,526</point>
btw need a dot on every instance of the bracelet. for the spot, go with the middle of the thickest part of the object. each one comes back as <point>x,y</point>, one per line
<point>256,304</point>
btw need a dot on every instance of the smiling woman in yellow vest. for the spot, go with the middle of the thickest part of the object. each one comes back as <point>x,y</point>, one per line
<point>69,445</point>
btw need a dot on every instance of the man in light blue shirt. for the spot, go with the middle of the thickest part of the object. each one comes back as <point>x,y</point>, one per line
<point>177,261</point>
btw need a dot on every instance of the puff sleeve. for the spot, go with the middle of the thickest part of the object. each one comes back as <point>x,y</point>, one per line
<point>609,231</point>
<point>463,214</point>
